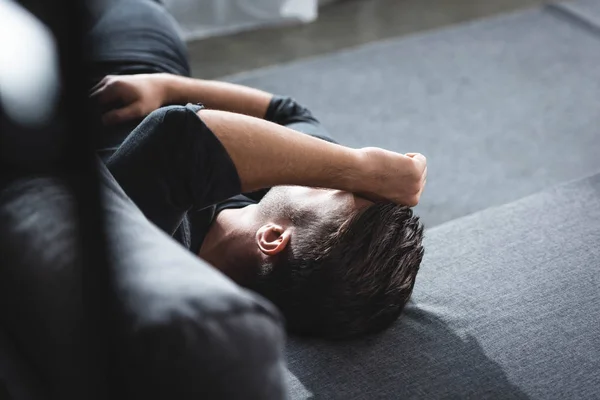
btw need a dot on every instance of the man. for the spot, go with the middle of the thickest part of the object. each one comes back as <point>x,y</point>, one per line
<point>338,263</point>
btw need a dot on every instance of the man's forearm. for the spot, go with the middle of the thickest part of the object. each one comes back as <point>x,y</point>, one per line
<point>266,154</point>
<point>216,95</point>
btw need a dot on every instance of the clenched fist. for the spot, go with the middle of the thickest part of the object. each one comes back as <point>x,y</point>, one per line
<point>395,177</point>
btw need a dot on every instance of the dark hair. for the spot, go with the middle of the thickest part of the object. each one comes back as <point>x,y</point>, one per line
<point>344,278</point>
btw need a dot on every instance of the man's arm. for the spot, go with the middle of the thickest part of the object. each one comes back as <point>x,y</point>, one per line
<point>135,96</point>
<point>224,96</point>
<point>266,154</point>
<point>215,95</point>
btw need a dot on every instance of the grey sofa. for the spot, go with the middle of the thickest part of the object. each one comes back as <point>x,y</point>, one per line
<point>506,304</point>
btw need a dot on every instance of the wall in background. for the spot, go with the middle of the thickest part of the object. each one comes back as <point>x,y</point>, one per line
<point>204,18</point>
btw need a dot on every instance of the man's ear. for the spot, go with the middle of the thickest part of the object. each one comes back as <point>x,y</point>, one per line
<point>272,238</point>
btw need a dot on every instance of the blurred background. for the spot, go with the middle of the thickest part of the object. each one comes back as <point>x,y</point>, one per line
<point>231,36</point>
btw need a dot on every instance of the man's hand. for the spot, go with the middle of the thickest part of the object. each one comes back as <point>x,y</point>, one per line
<point>393,176</point>
<point>135,96</point>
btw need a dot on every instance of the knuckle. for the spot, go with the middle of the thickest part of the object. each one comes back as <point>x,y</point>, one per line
<point>414,200</point>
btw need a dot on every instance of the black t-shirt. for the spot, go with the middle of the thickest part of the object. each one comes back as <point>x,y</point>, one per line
<point>172,164</point>
<point>283,111</point>
<point>179,174</point>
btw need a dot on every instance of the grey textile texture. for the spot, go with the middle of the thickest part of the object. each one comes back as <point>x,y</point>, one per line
<point>17,380</point>
<point>502,107</point>
<point>586,12</point>
<point>187,331</point>
<point>506,306</point>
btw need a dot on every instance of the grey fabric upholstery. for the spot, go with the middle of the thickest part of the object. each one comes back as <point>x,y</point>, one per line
<point>17,379</point>
<point>585,12</point>
<point>506,306</point>
<point>189,331</point>
<point>494,105</point>
<point>40,283</point>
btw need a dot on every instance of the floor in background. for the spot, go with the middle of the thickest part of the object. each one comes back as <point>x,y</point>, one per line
<point>340,25</point>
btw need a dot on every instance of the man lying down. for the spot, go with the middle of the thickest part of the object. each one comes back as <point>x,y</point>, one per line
<point>323,231</point>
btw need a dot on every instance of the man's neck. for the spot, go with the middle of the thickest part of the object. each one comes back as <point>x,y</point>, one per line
<point>229,242</point>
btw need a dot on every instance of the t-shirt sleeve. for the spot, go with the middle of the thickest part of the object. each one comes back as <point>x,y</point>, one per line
<point>171,163</point>
<point>237,201</point>
<point>288,112</point>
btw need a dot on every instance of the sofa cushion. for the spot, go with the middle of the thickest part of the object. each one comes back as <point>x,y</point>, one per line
<point>505,306</point>
<point>17,379</point>
<point>188,331</point>
<point>584,12</point>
